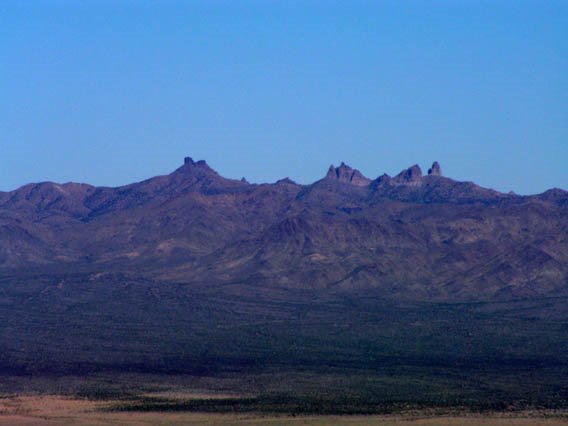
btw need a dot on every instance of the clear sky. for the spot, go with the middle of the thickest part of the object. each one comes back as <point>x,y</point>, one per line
<point>112,92</point>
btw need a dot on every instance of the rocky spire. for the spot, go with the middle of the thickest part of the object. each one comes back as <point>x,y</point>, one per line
<point>346,174</point>
<point>435,170</point>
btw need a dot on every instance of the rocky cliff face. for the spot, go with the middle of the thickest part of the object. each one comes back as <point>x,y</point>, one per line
<point>410,236</point>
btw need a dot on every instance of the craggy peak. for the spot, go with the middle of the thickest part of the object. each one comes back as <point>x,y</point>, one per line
<point>188,161</point>
<point>435,170</point>
<point>346,174</point>
<point>411,175</point>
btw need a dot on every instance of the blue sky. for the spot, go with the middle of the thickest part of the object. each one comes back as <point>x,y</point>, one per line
<point>111,92</point>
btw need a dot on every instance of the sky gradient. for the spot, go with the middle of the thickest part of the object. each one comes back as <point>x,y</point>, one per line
<point>112,92</point>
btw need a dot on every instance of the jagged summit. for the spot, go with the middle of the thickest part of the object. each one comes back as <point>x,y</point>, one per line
<point>346,174</point>
<point>188,161</point>
<point>412,175</point>
<point>435,170</point>
<point>199,176</point>
<point>196,168</point>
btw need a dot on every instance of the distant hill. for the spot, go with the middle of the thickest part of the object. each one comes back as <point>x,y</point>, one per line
<point>413,236</point>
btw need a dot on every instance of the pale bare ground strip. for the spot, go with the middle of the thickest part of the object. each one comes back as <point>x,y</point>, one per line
<point>54,410</point>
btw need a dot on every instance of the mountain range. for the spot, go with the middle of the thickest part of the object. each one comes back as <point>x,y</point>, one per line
<point>413,236</point>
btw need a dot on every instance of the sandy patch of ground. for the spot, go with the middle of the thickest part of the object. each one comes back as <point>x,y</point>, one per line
<point>56,410</point>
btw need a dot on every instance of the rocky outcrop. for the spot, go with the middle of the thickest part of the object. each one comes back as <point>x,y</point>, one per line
<point>188,161</point>
<point>412,175</point>
<point>435,170</point>
<point>346,174</point>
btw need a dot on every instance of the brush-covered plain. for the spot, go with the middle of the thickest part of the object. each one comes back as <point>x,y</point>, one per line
<point>289,353</point>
